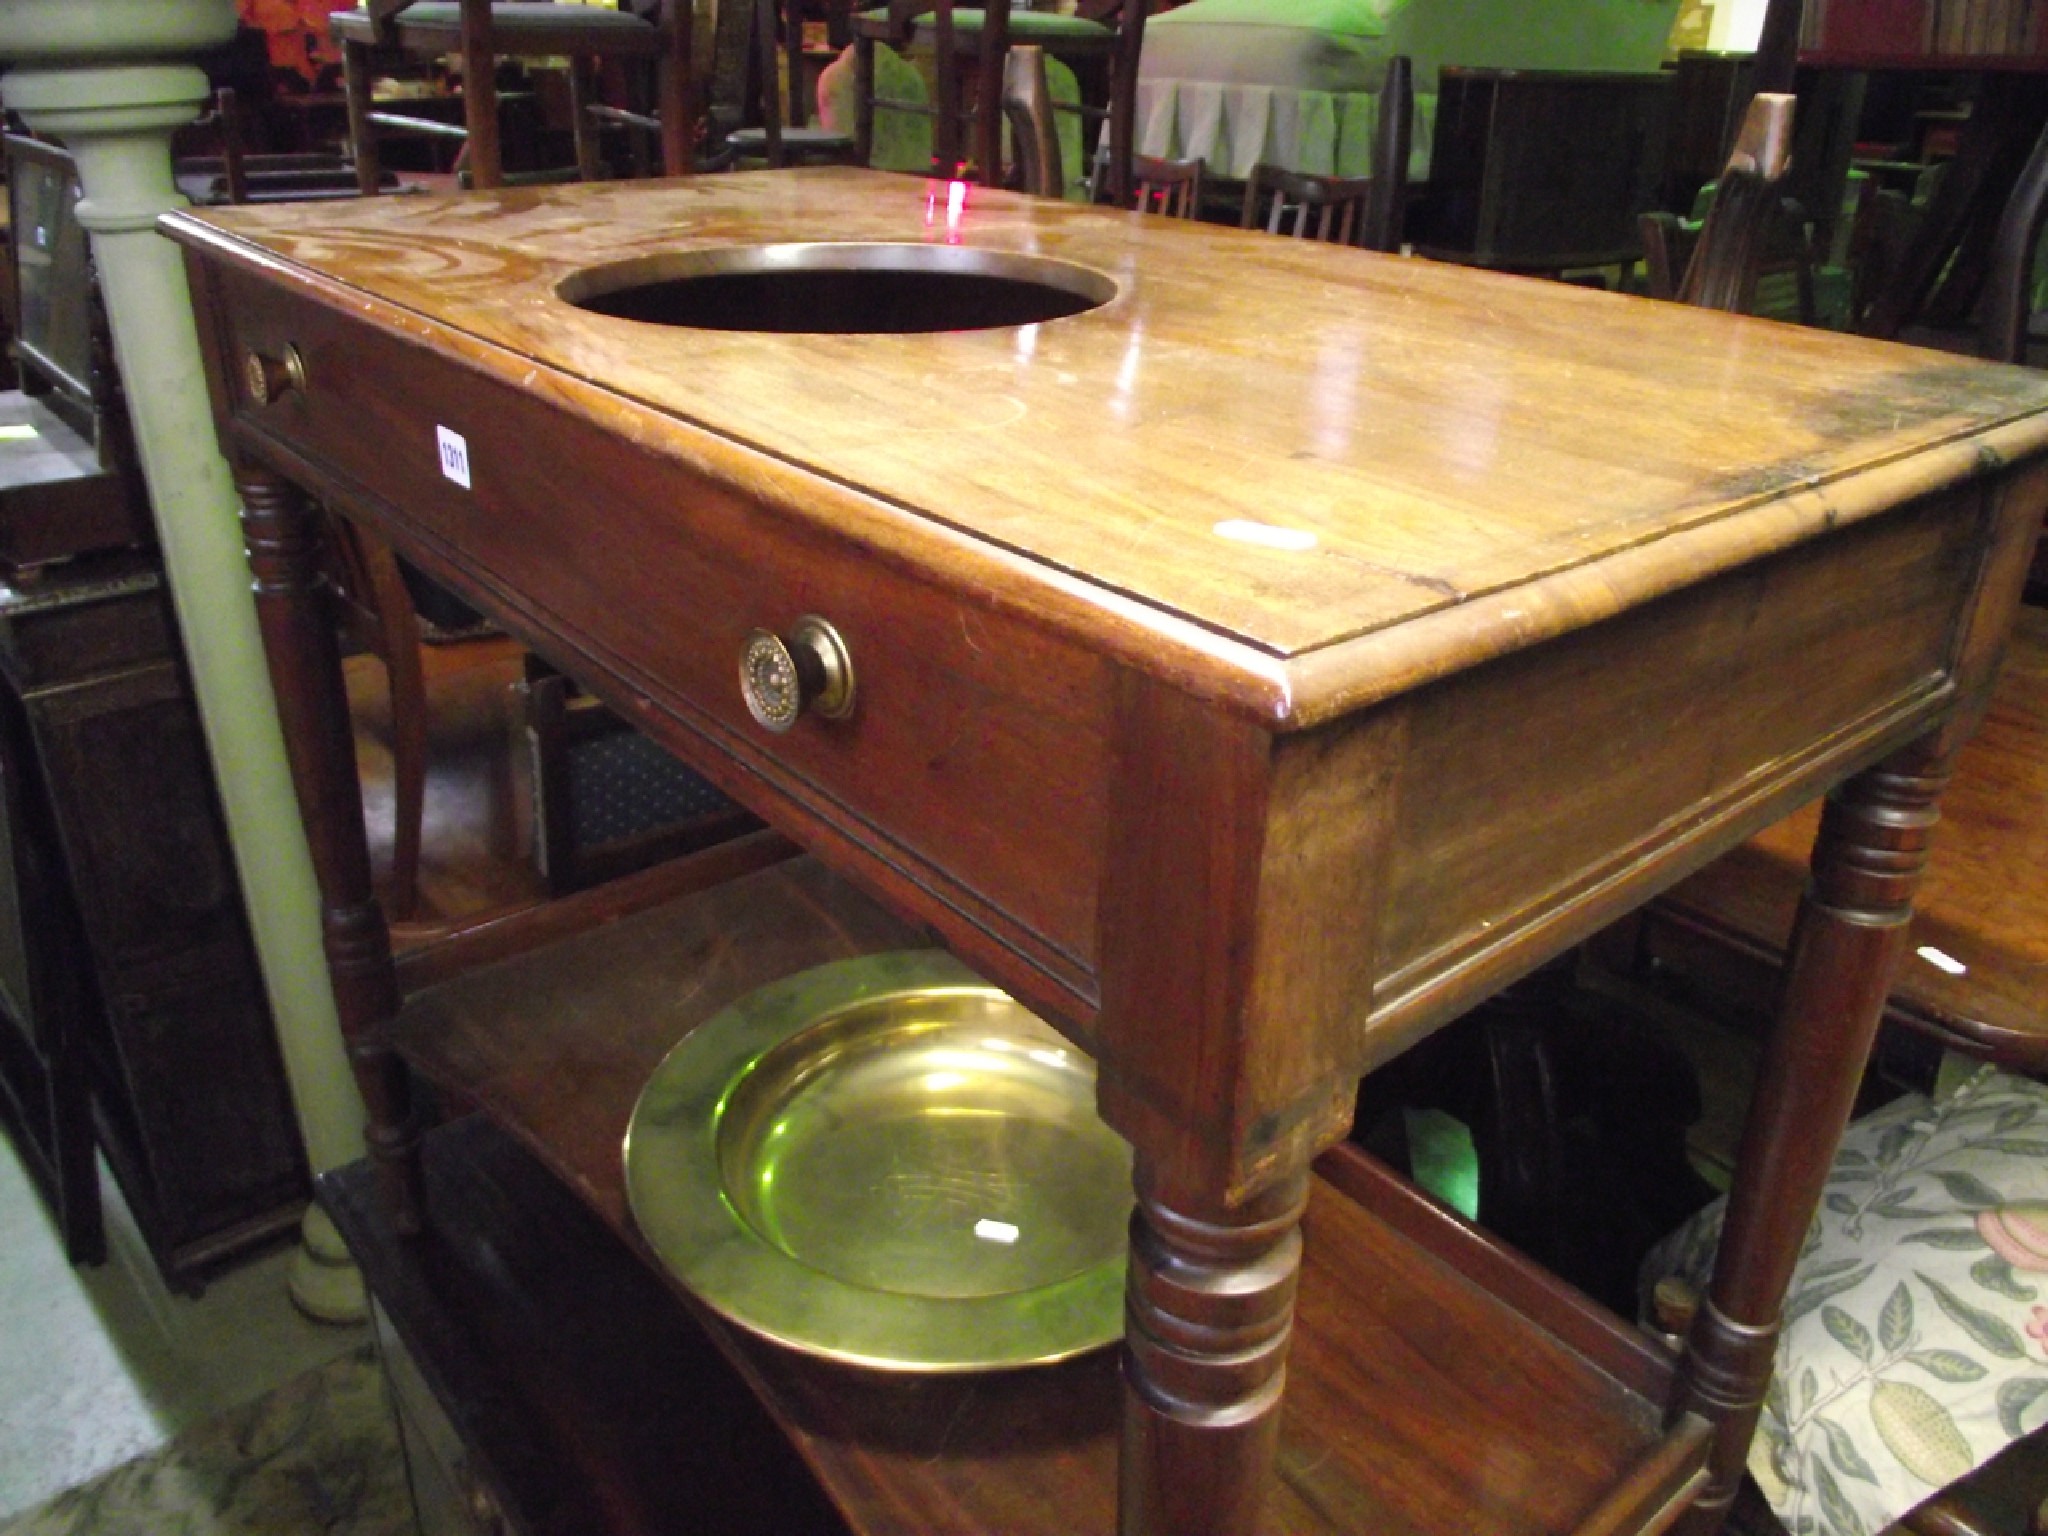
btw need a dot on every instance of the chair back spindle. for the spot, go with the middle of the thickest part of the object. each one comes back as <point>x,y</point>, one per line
<point>2008,292</point>
<point>1347,210</point>
<point>1723,271</point>
<point>1027,105</point>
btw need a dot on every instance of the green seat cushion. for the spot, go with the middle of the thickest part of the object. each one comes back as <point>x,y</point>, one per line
<point>1025,26</point>
<point>514,16</point>
<point>1349,18</point>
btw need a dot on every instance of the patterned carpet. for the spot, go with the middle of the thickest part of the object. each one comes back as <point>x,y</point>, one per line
<point>319,1454</point>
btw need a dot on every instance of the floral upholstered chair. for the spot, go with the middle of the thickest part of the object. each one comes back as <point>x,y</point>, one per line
<point>1915,1342</point>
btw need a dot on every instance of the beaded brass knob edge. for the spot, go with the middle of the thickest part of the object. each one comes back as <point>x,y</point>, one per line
<point>769,682</point>
<point>812,670</point>
<point>266,378</point>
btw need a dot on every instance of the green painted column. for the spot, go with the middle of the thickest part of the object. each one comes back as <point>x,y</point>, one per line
<point>104,79</point>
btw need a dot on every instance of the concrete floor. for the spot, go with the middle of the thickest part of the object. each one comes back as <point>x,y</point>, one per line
<point>101,1365</point>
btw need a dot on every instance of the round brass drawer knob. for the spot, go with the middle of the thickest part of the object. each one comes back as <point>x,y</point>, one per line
<point>269,377</point>
<point>811,670</point>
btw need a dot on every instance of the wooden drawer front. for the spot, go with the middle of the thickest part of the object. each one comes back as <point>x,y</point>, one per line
<point>1613,754</point>
<point>979,742</point>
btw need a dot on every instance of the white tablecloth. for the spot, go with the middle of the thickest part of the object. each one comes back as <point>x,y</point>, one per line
<point>1291,82</point>
<point>1233,126</point>
<point>1295,81</point>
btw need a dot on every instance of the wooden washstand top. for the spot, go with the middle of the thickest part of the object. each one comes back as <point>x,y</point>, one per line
<point>1458,464</point>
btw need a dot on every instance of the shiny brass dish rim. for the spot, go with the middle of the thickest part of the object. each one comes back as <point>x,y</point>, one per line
<point>698,1214</point>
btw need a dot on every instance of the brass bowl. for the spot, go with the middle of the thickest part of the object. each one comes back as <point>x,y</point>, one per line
<point>889,1162</point>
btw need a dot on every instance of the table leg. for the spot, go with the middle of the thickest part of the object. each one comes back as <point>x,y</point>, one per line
<point>282,527</point>
<point>1207,1316</point>
<point>1846,942</point>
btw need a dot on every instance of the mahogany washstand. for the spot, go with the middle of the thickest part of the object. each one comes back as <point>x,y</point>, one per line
<point>1253,672</point>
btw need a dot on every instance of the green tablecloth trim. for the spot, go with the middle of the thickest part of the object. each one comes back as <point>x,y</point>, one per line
<point>1357,18</point>
<point>519,18</point>
<point>1025,26</point>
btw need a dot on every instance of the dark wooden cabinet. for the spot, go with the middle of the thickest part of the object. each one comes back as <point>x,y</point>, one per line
<point>1541,170</point>
<point>546,1383</point>
<point>127,972</point>
<point>135,1016</point>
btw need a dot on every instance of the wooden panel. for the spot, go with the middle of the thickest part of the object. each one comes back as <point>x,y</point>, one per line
<point>1625,737</point>
<point>978,741</point>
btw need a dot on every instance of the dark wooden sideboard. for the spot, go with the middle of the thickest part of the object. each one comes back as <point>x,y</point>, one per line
<point>1542,170</point>
<point>1254,671</point>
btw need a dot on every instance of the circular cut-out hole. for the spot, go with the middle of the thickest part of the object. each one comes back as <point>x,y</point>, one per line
<point>839,289</point>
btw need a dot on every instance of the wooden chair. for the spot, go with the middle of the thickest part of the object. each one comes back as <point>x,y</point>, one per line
<point>1725,257</point>
<point>374,612</point>
<point>1028,108</point>
<point>229,172</point>
<point>481,32</point>
<point>1757,169</point>
<point>1332,208</point>
<point>1172,188</point>
<point>796,140</point>
<point>2008,301</point>
<point>2007,298</point>
<point>1349,210</point>
<point>976,42</point>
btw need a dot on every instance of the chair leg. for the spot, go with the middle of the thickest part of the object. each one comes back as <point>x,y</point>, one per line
<point>793,56</point>
<point>770,103</point>
<point>582,128</point>
<point>398,644</point>
<point>480,98</point>
<point>408,781</point>
<point>988,109</point>
<point>362,133</point>
<point>676,94</point>
<point>863,100</point>
<point>946,146</point>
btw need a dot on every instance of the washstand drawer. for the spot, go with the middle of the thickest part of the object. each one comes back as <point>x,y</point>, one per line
<point>974,760</point>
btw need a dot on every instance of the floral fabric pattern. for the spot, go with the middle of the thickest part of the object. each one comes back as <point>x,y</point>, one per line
<point>1915,1343</point>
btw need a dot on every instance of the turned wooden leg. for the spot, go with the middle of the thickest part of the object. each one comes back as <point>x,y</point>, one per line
<point>1207,1316</point>
<point>362,133</point>
<point>1848,938</point>
<point>283,532</point>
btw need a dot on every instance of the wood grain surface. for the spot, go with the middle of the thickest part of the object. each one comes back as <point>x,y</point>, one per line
<point>1528,455</point>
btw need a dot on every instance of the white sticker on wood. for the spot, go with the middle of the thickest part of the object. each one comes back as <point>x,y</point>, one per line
<point>454,456</point>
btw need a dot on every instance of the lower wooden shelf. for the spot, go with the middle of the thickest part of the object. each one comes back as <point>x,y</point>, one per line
<point>1437,1383</point>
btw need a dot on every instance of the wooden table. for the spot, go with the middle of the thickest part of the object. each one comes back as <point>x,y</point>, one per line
<point>1253,673</point>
